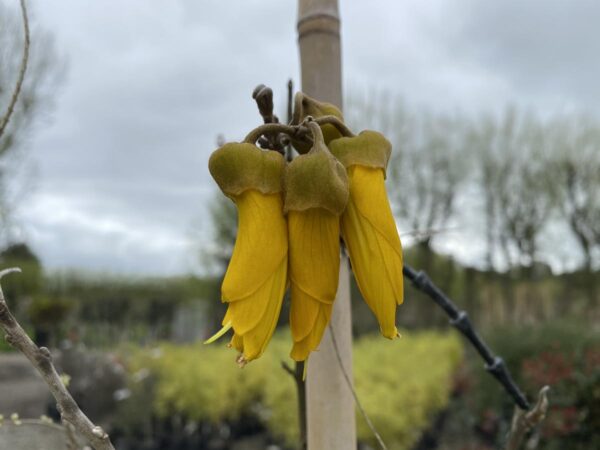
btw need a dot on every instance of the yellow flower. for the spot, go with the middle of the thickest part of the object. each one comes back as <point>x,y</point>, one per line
<point>316,193</point>
<point>368,226</point>
<point>256,277</point>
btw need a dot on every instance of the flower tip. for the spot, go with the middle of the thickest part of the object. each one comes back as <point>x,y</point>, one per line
<point>218,334</point>
<point>391,336</point>
<point>241,361</point>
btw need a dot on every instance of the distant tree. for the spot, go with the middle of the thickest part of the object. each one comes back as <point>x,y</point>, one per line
<point>427,174</point>
<point>429,165</point>
<point>489,141</point>
<point>29,283</point>
<point>575,175</point>
<point>513,158</point>
<point>35,98</point>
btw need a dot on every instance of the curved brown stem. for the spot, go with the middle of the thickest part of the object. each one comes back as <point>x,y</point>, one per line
<point>269,128</point>
<point>336,122</point>
<point>315,129</point>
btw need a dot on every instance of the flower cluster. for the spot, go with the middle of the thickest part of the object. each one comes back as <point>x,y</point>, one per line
<point>291,216</point>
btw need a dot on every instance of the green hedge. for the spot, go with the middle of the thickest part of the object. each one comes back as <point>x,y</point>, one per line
<point>402,384</point>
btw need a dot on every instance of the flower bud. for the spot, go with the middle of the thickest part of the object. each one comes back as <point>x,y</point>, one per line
<point>305,106</point>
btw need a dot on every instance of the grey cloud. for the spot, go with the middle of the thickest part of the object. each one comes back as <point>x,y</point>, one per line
<point>149,89</point>
<point>544,48</point>
<point>123,166</point>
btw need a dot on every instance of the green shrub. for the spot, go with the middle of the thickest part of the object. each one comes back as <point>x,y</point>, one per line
<point>561,354</point>
<point>402,383</point>
<point>516,344</point>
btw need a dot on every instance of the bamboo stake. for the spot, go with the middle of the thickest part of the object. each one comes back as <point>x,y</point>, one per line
<point>330,406</point>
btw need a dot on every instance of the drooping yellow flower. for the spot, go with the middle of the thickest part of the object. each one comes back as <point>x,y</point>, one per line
<point>307,106</point>
<point>316,192</point>
<point>256,277</point>
<point>368,226</point>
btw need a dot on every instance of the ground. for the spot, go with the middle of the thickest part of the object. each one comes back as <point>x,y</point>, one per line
<point>22,389</point>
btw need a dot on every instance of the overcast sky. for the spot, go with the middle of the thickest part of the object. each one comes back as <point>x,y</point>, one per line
<point>123,182</point>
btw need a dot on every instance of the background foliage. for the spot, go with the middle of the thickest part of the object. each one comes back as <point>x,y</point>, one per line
<point>403,384</point>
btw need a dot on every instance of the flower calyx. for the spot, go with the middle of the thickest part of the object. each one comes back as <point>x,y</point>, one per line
<point>369,149</point>
<point>316,179</point>
<point>238,167</point>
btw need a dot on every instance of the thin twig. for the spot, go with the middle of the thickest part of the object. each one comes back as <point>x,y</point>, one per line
<point>288,148</point>
<point>22,70</point>
<point>275,132</point>
<point>298,375</point>
<point>349,383</point>
<point>460,319</point>
<point>272,128</point>
<point>41,359</point>
<point>428,231</point>
<point>524,421</point>
<point>285,366</point>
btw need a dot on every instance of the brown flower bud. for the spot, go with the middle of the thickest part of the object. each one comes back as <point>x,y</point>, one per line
<point>307,106</point>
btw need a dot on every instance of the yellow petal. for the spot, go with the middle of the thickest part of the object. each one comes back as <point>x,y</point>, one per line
<point>237,342</point>
<point>302,348</point>
<point>256,277</point>
<point>254,318</point>
<point>260,246</point>
<point>370,233</point>
<point>315,252</point>
<point>304,310</point>
<point>314,271</point>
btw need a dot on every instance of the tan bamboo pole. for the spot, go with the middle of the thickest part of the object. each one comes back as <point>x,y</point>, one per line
<point>329,403</point>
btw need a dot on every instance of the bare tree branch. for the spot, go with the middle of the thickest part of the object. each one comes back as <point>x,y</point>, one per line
<point>22,70</point>
<point>523,421</point>
<point>41,359</point>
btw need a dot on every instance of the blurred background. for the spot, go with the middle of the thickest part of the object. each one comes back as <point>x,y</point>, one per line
<point>107,205</point>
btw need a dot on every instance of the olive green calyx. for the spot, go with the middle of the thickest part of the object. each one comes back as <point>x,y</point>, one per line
<point>238,167</point>
<point>316,180</point>
<point>369,148</point>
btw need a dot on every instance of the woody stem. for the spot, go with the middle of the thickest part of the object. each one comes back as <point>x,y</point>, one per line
<point>270,128</point>
<point>315,129</point>
<point>336,122</point>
